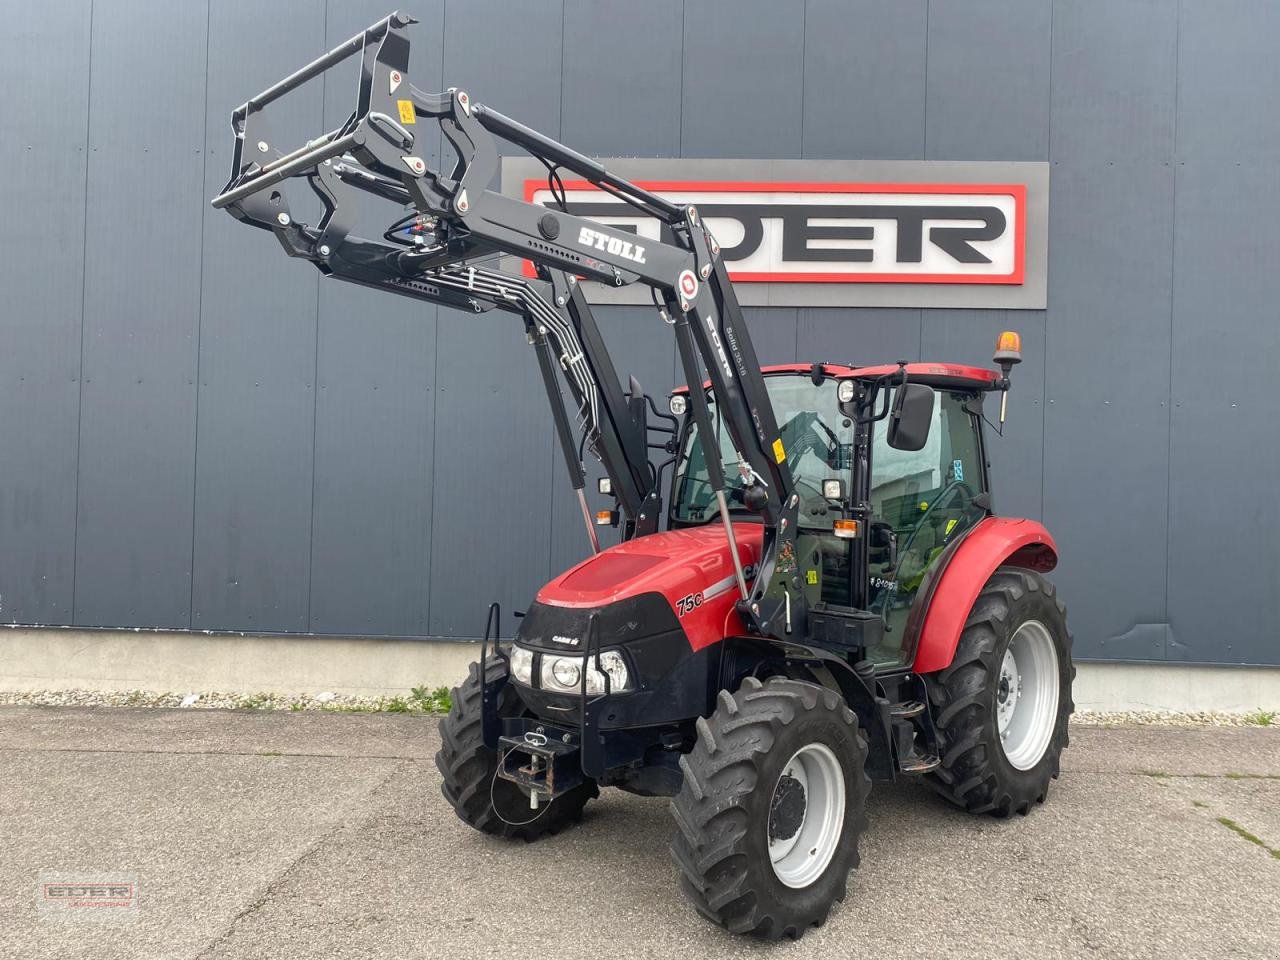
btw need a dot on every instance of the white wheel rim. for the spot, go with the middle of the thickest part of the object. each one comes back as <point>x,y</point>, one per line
<point>800,858</point>
<point>1027,695</point>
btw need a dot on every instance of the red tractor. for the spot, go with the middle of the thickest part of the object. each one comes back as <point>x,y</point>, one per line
<point>826,597</point>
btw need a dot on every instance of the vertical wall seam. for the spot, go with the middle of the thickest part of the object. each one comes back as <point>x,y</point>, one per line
<point>195,427</point>
<point>425,597</point>
<point>551,475</point>
<point>1044,381</point>
<point>428,587</point>
<point>1173,294</point>
<point>924,132</point>
<point>1048,127</point>
<point>84,284</point>
<point>804,43</point>
<point>684,42</point>
<point>315,368</point>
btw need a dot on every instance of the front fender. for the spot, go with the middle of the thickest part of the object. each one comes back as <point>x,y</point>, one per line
<point>995,542</point>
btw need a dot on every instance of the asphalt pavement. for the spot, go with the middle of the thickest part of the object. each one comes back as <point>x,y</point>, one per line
<point>324,835</point>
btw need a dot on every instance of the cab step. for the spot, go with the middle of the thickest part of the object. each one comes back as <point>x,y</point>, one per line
<point>920,763</point>
<point>906,710</point>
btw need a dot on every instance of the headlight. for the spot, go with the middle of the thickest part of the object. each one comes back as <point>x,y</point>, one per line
<point>564,674</point>
<point>521,665</point>
<point>845,390</point>
<point>613,664</point>
<point>678,405</point>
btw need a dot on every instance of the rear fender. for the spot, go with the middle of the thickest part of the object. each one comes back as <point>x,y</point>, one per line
<point>995,542</point>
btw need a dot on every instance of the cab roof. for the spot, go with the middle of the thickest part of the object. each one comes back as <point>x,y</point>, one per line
<point>946,375</point>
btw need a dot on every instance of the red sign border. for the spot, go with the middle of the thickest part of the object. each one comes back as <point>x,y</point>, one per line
<point>1016,190</point>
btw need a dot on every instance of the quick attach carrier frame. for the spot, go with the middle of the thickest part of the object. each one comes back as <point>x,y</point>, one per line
<point>457,221</point>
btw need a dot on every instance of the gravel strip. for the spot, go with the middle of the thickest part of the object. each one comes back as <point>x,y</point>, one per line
<point>1160,718</point>
<point>423,702</point>
<point>437,702</point>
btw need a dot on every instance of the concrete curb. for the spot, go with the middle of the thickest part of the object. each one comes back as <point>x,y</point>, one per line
<point>57,658</point>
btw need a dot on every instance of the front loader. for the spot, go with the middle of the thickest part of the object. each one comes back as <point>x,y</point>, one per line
<point>823,597</point>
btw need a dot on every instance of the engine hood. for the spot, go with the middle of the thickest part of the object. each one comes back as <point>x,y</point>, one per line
<point>690,568</point>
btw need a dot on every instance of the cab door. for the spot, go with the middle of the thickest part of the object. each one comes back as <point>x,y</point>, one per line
<point>921,502</point>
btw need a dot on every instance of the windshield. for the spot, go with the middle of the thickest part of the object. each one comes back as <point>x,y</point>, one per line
<point>817,437</point>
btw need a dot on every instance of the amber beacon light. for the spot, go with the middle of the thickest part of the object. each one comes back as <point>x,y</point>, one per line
<point>1008,352</point>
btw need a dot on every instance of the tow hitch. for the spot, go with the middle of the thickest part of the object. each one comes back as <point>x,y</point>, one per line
<point>544,762</point>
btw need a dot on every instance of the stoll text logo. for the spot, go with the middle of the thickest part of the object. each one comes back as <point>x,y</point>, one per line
<point>969,233</point>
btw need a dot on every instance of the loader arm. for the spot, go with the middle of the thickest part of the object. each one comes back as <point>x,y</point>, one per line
<point>462,221</point>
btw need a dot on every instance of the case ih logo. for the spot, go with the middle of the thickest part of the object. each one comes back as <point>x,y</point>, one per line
<point>838,232</point>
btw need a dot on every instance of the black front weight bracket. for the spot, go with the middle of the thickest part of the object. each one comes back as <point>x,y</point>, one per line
<point>540,758</point>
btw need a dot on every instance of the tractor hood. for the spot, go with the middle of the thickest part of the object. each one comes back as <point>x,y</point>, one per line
<point>690,568</point>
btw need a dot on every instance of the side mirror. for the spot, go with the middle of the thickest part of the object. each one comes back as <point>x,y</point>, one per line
<point>911,417</point>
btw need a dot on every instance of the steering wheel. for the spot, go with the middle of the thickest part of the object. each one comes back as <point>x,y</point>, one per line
<point>943,494</point>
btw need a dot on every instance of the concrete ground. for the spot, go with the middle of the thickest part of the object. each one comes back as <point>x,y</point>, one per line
<point>324,835</point>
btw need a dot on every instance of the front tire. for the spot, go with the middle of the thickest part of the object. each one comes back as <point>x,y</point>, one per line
<point>478,796</point>
<point>771,809</point>
<point>1002,707</point>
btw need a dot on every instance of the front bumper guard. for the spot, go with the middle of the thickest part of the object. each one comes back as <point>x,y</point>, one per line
<point>544,757</point>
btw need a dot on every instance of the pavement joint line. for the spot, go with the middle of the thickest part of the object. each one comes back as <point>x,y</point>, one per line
<point>1163,775</point>
<point>310,850</point>
<point>1249,835</point>
<point>265,754</point>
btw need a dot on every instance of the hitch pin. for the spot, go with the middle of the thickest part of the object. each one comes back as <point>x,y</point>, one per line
<point>787,593</point>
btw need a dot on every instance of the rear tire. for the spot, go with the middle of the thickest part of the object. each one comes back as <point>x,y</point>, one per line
<point>1001,708</point>
<point>468,767</point>
<point>777,764</point>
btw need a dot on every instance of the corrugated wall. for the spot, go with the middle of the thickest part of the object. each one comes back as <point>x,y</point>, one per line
<point>196,432</point>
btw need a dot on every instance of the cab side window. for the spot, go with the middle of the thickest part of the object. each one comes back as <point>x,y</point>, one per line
<point>926,499</point>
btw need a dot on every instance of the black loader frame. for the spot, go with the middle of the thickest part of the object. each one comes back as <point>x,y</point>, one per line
<point>459,221</point>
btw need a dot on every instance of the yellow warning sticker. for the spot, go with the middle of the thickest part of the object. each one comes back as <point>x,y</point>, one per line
<point>779,451</point>
<point>951,525</point>
<point>406,111</point>
<point>812,577</point>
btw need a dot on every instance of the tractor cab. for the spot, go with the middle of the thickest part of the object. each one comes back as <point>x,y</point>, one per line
<point>875,516</point>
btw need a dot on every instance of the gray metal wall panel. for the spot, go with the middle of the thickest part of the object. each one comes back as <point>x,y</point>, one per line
<point>1107,418</point>
<point>491,486</point>
<point>864,79</point>
<point>1017,457</point>
<point>988,80</point>
<point>507,55</point>
<point>622,78</point>
<point>137,414</point>
<point>257,352</point>
<point>42,276</point>
<point>773,333</point>
<point>743,78</point>
<point>1113,86</point>
<point>1228,74</point>
<point>375,419</point>
<point>641,346</point>
<point>1224,555</point>
<point>750,80</point>
<point>863,336</point>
